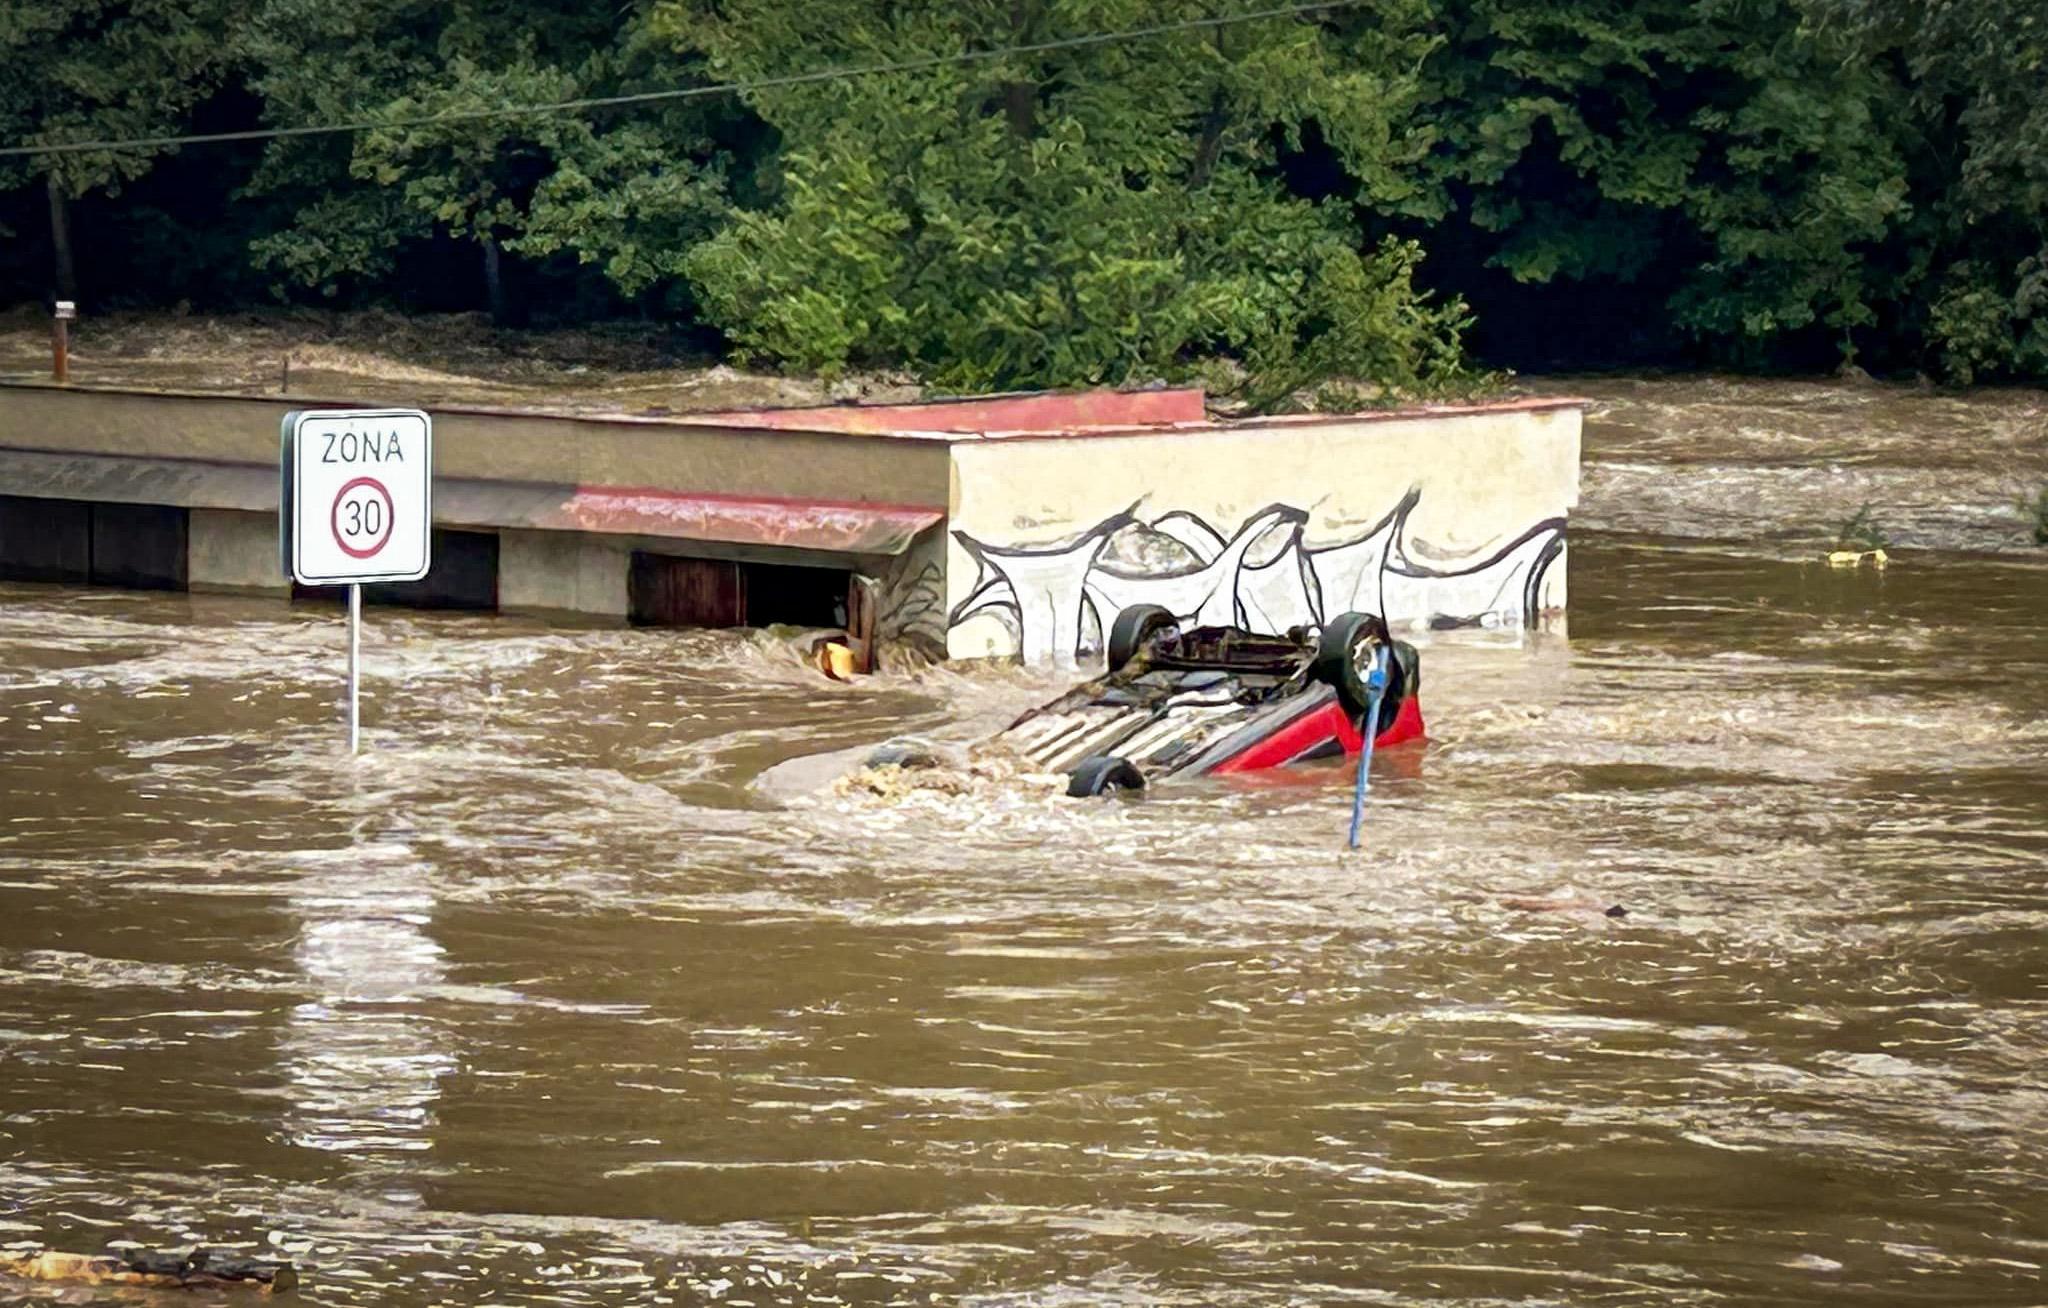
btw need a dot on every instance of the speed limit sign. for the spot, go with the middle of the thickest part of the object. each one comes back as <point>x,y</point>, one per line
<point>358,489</point>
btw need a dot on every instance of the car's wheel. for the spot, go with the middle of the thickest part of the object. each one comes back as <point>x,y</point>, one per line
<point>1343,661</point>
<point>902,754</point>
<point>1099,774</point>
<point>1133,629</point>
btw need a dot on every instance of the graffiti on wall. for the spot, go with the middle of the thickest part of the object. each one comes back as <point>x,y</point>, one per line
<point>912,624</point>
<point>1058,599</point>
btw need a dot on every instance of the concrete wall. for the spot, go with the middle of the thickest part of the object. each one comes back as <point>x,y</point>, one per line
<point>911,626</point>
<point>1448,517</point>
<point>497,446</point>
<point>563,572</point>
<point>235,551</point>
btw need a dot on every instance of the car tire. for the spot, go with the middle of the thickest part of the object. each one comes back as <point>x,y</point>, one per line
<point>906,754</point>
<point>1099,774</point>
<point>1134,629</point>
<point>1343,661</point>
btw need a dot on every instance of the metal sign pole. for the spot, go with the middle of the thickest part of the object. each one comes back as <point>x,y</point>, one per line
<point>355,636</point>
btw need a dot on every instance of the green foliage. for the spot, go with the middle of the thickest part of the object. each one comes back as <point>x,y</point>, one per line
<point>1774,180</point>
<point>623,202</point>
<point>334,233</point>
<point>337,237</point>
<point>90,70</point>
<point>626,196</point>
<point>1076,217</point>
<point>1861,533</point>
<point>1602,141</point>
<point>1979,90</point>
<point>1980,328</point>
<point>2036,511</point>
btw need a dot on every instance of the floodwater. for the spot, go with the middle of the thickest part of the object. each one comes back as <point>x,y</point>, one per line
<point>544,1000</point>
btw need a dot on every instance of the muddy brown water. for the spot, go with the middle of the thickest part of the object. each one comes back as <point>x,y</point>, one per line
<point>544,1000</point>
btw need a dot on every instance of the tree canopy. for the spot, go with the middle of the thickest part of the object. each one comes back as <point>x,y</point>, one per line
<point>1389,191</point>
<point>1065,217</point>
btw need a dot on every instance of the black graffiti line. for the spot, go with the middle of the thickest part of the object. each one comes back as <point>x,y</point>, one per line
<point>991,580</point>
<point>1532,582</point>
<point>1409,568</point>
<point>1285,513</point>
<point>982,554</point>
<point>1250,531</point>
<point>1393,521</point>
<point>1214,535</point>
<point>1539,568</point>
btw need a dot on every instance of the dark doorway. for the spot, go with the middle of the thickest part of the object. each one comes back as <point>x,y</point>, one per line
<point>464,575</point>
<point>140,546</point>
<point>665,590</point>
<point>798,596</point>
<point>45,540</point>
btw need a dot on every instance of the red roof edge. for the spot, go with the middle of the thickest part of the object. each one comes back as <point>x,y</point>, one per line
<point>1034,411</point>
<point>835,526</point>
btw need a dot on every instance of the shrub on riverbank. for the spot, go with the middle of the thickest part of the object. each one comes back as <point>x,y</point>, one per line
<point>2037,513</point>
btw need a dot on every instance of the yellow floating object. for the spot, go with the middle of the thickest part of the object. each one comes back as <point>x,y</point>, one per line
<point>1855,558</point>
<point>836,661</point>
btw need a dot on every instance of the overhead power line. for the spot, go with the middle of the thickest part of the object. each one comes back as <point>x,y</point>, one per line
<point>688,92</point>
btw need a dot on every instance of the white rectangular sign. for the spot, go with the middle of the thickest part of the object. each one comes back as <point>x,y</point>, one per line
<point>358,495</point>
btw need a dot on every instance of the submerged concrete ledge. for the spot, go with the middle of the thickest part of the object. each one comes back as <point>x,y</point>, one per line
<point>1003,527</point>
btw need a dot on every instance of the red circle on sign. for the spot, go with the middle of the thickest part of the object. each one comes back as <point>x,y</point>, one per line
<point>334,518</point>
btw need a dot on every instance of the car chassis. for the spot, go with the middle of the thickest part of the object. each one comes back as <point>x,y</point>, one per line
<point>1219,700</point>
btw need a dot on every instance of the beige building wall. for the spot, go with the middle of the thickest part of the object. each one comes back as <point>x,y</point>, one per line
<point>1442,518</point>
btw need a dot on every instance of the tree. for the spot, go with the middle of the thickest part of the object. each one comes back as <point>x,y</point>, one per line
<point>474,173</point>
<point>99,70</point>
<point>1073,216</point>
<point>450,152</point>
<point>1979,81</point>
<point>311,63</point>
<point>1761,182</point>
<point>1616,141</point>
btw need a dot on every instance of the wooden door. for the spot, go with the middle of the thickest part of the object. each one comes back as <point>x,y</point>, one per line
<point>665,591</point>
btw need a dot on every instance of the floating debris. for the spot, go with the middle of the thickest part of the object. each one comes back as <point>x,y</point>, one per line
<point>196,1270</point>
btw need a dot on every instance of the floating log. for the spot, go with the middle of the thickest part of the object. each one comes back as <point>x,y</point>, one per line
<point>196,1270</point>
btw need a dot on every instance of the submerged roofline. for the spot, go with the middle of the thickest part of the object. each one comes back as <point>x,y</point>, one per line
<point>1139,412</point>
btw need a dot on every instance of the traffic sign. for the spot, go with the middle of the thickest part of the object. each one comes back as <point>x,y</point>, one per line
<point>355,504</point>
<point>358,495</point>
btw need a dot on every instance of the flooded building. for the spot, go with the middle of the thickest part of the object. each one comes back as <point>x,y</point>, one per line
<point>987,528</point>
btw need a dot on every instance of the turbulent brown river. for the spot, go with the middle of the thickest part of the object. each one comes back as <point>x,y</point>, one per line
<point>550,998</point>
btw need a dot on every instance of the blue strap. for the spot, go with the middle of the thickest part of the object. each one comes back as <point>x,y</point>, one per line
<point>1376,686</point>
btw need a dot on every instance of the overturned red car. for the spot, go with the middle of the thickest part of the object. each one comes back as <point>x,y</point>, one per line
<point>1214,700</point>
